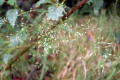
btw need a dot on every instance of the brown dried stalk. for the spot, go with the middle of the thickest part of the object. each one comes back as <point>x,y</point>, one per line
<point>80,4</point>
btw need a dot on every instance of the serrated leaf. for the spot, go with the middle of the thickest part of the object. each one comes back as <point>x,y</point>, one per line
<point>55,12</point>
<point>18,39</point>
<point>2,2</point>
<point>11,2</point>
<point>6,58</point>
<point>41,2</point>
<point>12,16</point>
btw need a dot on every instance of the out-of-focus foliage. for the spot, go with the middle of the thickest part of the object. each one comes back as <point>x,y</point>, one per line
<point>18,39</point>
<point>12,16</point>
<point>41,2</point>
<point>1,22</point>
<point>11,2</point>
<point>1,2</point>
<point>57,11</point>
<point>97,4</point>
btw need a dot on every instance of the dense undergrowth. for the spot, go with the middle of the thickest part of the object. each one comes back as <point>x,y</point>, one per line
<point>83,47</point>
<point>92,51</point>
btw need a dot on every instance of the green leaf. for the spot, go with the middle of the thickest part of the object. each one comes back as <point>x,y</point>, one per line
<point>12,16</point>
<point>6,58</point>
<point>2,2</point>
<point>97,4</point>
<point>11,2</point>
<point>41,2</point>
<point>17,39</point>
<point>1,22</point>
<point>55,12</point>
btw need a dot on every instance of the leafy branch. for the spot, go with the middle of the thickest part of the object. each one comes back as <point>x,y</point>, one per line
<point>80,4</point>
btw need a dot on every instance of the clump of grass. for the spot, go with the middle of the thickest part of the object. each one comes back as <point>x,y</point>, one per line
<point>88,49</point>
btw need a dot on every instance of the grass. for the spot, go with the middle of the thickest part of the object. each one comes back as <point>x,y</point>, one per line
<point>85,48</point>
<point>88,49</point>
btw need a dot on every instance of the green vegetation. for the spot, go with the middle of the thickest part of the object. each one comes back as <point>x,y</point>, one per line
<point>42,44</point>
